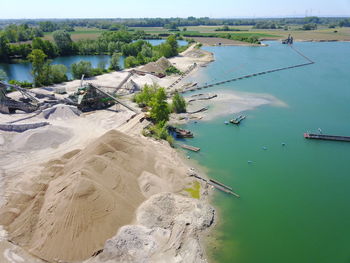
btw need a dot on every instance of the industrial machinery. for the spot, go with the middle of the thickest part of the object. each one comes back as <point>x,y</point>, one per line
<point>8,105</point>
<point>288,41</point>
<point>89,98</point>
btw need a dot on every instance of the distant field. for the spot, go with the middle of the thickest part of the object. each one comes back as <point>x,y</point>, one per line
<point>80,33</point>
<point>323,33</point>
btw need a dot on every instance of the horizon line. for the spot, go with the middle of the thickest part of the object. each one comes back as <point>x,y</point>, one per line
<point>238,17</point>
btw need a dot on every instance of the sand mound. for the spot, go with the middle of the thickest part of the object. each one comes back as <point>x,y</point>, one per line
<point>61,112</point>
<point>159,66</point>
<point>82,199</point>
<point>41,138</point>
<point>167,231</point>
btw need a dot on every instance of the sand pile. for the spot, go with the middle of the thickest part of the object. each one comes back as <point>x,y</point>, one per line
<point>159,66</point>
<point>41,138</point>
<point>82,199</point>
<point>61,112</point>
<point>129,87</point>
<point>167,230</point>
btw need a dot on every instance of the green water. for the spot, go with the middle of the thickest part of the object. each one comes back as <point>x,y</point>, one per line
<point>295,199</point>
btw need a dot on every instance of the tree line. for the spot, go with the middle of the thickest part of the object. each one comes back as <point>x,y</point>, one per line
<point>117,23</point>
<point>40,52</point>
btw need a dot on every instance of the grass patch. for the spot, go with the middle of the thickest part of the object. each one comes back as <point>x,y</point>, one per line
<point>194,191</point>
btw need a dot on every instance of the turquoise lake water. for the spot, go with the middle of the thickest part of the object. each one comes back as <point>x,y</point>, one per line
<point>22,71</point>
<point>295,199</point>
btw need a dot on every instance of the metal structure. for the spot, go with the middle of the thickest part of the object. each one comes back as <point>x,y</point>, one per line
<point>8,105</point>
<point>90,97</point>
<point>288,41</point>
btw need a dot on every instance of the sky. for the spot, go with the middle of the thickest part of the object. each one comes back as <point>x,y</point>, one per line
<point>172,8</point>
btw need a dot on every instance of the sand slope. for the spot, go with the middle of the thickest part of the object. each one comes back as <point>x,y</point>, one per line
<point>81,199</point>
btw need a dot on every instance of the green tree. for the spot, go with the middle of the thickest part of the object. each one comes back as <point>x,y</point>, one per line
<point>144,97</point>
<point>81,68</point>
<point>165,50</point>
<point>46,46</point>
<point>160,108</point>
<point>38,59</point>
<point>4,47</point>
<point>146,51</point>
<point>58,73</point>
<point>102,65</point>
<point>63,42</point>
<point>112,48</point>
<point>114,63</point>
<point>131,62</point>
<point>3,75</point>
<point>172,42</point>
<point>179,103</point>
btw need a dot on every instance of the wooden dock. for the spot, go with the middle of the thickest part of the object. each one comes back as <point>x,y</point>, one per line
<point>217,182</point>
<point>327,137</point>
<point>191,148</point>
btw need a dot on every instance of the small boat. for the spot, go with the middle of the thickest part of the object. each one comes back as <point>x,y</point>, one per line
<point>180,133</point>
<point>238,119</point>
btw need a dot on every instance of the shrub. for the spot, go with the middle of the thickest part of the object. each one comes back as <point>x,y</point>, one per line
<point>131,62</point>
<point>160,131</point>
<point>172,70</point>
<point>3,75</point>
<point>58,73</point>
<point>144,97</point>
<point>23,84</point>
<point>82,68</point>
<point>114,63</point>
<point>160,108</point>
<point>179,103</point>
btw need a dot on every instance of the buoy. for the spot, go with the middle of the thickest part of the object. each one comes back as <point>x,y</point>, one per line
<point>250,162</point>
<point>264,148</point>
<point>226,122</point>
<point>283,144</point>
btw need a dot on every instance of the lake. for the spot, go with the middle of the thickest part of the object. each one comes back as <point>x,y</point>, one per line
<point>294,204</point>
<point>22,71</point>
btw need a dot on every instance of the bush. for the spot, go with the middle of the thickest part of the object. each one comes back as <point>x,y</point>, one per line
<point>22,84</point>
<point>131,62</point>
<point>114,63</point>
<point>144,97</point>
<point>311,26</point>
<point>172,70</point>
<point>160,131</point>
<point>160,108</point>
<point>179,103</point>
<point>82,68</point>
<point>58,73</point>
<point>3,75</point>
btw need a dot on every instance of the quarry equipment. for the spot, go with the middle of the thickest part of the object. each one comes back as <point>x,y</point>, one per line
<point>90,97</point>
<point>8,105</point>
<point>288,41</point>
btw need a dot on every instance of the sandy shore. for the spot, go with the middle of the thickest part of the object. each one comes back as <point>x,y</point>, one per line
<point>219,41</point>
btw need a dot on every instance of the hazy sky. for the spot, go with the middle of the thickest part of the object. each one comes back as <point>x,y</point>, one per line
<point>172,8</point>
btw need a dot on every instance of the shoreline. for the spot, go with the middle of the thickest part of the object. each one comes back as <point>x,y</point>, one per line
<point>307,40</point>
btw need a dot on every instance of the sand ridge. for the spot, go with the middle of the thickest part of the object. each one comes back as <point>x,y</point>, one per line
<point>81,199</point>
